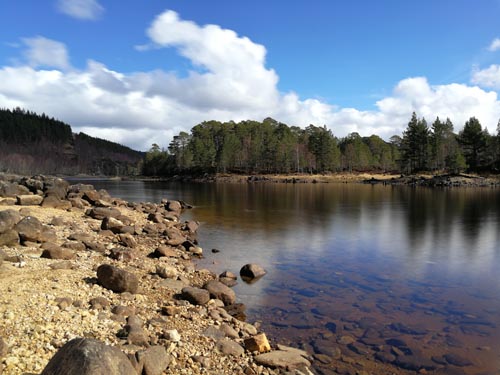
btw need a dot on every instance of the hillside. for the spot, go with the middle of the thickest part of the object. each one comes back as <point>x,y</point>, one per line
<point>32,143</point>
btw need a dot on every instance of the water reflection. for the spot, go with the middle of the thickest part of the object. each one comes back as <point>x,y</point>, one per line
<point>373,263</point>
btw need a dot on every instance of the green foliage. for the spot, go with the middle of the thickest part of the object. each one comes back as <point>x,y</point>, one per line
<point>415,145</point>
<point>473,140</point>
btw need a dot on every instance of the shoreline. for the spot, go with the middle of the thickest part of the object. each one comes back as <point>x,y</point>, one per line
<point>54,292</point>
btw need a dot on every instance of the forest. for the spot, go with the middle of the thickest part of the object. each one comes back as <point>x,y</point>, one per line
<point>274,147</point>
<point>32,144</point>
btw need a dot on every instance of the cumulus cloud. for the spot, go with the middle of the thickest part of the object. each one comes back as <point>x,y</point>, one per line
<point>495,45</point>
<point>81,9</point>
<point>489,77</point>
<point>229,80</point>
<point>46,52</point>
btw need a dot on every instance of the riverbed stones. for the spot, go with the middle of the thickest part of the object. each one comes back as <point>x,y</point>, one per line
<point>195,295</point>
<point>89,357</point>
<point>251,272</point>
<point>116,279</point>
<point>220,291</point>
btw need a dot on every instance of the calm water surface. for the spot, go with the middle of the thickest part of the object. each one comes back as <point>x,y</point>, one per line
<point>370,263</point>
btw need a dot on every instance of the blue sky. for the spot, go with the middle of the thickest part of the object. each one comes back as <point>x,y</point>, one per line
<point>138,72</point>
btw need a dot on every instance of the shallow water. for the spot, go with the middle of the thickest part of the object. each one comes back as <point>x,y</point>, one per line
<point>357,268</point>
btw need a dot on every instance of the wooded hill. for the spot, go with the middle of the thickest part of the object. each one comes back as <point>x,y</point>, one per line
<point>32,144</point>
<point>273,147</point>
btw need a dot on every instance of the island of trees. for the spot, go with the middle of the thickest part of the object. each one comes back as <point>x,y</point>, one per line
<point>32,144</point>
<point>273,147</point>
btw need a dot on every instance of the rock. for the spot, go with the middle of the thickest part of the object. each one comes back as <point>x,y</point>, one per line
<point>56,187</point>
<point>116,279</point>
<point>194,295</point>
<point>128,240</point>
<point>63,302</point>
<point>54,202</point>
<point>100,213</point>
<point>221,292</point>
<point>99,303</point>
<point>257,343</point>
<point>153,360</point>
<point>237,311</point>
<point>164,251</point>
<point>3,348</point>
<point>457,360</point>
<point>134,332</point>
<point>192,226</point>
<point>74,245</point>
<point>228,275</point>
<point>29,200</point>
<point>89,357</point>
<point>58,221</point>
<point>284,359</point>
<point>95,246</point>
<point>53,251</point>
<point>112,224</point>
<point>64,265</point>
<point>172,335</point>
<point>229,347</point>
<point>174,285</point>
<point>123,254</point>
<point>385,357</point>
<point>8,218</point>
<point>123,310</point>
<point>8,201</point>
<point>228,282</point>
<point>91,196</point>
<point>173,206</point>
<point>29,229</point>
<point>11,190</point>
<point>229,331</point>
<point>80,236</point>
<point>9,238</point>
<point>166,271</point>
<point>251,272</point>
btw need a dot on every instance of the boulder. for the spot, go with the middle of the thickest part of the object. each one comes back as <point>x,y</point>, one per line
<point>91,196</point>
<point>194,295</point>
<point>112,224</point>
<point>285,359</point>
<point>128,240</point>
<point>220,291</point>
<point>12,189</point>
<point>116,279</point>
<point>8,218</point>
<point>53,251</point>
<point>229,347</point>
<point>173,206</point>
<point>29,200</point>
<point>152,361</point>
<point>9,238</point>
<point>8,201</point>
<point>89,357</point>
<point>56,187</point>
<point>250,272</point>
<point>53,201</point>
<point>29,229</point>
<point>257,343</point>
<point>100,213</point>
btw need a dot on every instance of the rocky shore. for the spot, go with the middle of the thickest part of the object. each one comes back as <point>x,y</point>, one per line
<point>92,284</point>
<point>446,180</point>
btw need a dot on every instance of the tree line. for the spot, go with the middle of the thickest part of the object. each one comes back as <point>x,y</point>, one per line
<point>32,143</point>
<point>274,147</point>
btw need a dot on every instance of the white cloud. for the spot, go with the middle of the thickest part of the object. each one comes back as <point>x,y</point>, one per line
<point>489,77</point>
<point>495,45</point>
<point>81,9</point>
<point>229,81</point>
<point>46,52</point>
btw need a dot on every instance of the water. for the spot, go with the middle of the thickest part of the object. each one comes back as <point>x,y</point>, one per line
<point>354,262</point>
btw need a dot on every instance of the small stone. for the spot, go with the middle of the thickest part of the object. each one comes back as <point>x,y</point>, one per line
<point>257,343</point>
<point>99,303</point>
<point>196,296</point>
<point>251,272</point>
<point>172,335</point>
<point>166,271</point>
<point>153,360</point>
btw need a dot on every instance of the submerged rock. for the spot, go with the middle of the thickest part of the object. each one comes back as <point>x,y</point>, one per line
<point>251,272</point>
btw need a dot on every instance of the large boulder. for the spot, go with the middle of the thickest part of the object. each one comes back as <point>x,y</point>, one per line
<point>29,200</point>
<point>12,189</point>
<point>251,272</point>
<point>8,218</point>
<point>30,229</point>
<point>89,357</point>
<point>220,291</point>
<point>116,279</point>
<point>288,359</point>
<point>56,187</point>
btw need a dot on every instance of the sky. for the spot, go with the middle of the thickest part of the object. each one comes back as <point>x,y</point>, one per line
<point>139,72</point>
